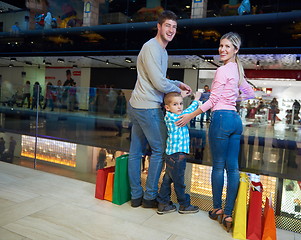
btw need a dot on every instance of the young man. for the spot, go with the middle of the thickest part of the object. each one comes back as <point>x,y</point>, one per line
<point>177,150</point>
<point>146,113</point>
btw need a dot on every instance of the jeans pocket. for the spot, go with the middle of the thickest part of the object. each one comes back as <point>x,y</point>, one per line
<point>227,124</point>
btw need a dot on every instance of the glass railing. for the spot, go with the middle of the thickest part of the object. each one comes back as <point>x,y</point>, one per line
<point>73,131</point>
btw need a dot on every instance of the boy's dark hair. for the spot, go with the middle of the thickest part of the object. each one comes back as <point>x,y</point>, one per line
<point>68,72</point>
<point>168,97</point>
<point>167,15</point>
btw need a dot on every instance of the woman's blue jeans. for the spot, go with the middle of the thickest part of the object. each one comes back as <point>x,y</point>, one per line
<point>148,127</point>
<point>224,138</point>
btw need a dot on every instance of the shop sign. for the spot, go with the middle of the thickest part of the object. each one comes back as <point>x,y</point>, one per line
<point>88,7</point>
<point>76,73</point>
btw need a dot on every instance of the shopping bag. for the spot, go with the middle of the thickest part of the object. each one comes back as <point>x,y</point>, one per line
<point>269,225</point>
<point>254,228</point>
<point>101,181</point>
<point>122,191</point>
<point>109,187</point>
<point>240,209</point>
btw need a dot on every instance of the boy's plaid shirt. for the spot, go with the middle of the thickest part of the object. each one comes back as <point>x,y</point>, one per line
<point>178,137</point>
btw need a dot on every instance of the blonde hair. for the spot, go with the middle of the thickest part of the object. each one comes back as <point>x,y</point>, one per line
<point>169,96</point>
<point>235,39</point>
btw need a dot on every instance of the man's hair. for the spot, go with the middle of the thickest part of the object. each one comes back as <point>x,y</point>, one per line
<point>169,96</point>
<point>167,15</point>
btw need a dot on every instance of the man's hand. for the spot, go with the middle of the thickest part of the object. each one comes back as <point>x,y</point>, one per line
<point>186,88</point>
<point>185,93</point>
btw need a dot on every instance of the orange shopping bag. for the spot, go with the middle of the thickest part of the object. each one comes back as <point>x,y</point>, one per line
<point>269,225</point>
<point>109,187</point>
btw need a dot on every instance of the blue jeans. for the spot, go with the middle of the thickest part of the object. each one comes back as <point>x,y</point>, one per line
<point>174,173</point>
<point>224,138</point>
<point>147,127</point>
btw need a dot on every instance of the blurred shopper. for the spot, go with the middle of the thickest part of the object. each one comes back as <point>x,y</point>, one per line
<point>48,21</point>
<point>36,96</point>
<point>226,127</point>
<point>274,110</point>
<point>146,113</point>
<point>11,148</point>
<point>26,94</point>
<point>204,98</point>
<point>49,96</point>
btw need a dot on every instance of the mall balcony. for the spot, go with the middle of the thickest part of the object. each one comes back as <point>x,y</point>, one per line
<point>61,132</point>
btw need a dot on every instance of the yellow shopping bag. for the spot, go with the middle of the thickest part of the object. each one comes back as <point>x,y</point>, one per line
<point>240,209</point>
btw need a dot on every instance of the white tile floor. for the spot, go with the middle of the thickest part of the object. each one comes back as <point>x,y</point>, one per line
<point>40,205</point>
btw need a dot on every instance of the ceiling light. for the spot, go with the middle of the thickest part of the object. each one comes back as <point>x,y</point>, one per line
<point>132,67</point>
<point>193,67</point>
<point>60,60</point>
<point>258,63</point>
<point>13,59</point>
<point>208,59</point>
<point>10,65</point>
<point>44,62</point>
<point>176,64</point>
<point>48,63</point>
<point>107,62</point>
<point>128,60</point>
<point>298,59</point>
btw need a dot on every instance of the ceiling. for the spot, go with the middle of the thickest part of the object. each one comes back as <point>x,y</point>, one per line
<point>266,61</point>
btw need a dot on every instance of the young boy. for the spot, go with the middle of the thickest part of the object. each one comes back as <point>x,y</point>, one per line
<point>177,148</point>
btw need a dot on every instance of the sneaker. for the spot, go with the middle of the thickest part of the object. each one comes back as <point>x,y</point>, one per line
<point>149,203</point>
<point>136,202</point>
<point>188,209</point>
<point>164,208</point>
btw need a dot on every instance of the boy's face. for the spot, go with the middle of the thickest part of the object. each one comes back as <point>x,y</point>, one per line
<point>175,106</point>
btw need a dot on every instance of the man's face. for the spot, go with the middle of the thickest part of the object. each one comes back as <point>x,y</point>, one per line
<point>206,89</point>
<point>176,105</point>
<point>167,30</point>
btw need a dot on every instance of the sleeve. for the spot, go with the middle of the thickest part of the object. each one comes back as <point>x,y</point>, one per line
<point>192,107</point>
<point>247,91</point>
<point>217,89</point>
<point>152,63</point>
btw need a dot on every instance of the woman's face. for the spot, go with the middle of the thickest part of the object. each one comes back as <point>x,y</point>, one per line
<point>227,51</point>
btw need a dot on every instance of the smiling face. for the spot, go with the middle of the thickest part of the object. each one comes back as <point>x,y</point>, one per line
<point>166,31</point>
<point>227,51</point>
<point>175,105</point>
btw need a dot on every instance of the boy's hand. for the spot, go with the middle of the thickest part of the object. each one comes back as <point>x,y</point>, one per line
<point>197,96</point>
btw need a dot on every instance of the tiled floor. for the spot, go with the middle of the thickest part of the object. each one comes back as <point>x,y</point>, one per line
<point>40,205</point>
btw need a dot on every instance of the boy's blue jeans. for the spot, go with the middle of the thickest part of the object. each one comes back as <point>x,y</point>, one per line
<point>224,138</point>
<point>174,173</point>
<point>147,127</point>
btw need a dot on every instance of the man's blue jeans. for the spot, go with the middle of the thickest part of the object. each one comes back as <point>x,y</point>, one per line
<point>174,173</point>
<point>224,138</point>
<point>148,127</point>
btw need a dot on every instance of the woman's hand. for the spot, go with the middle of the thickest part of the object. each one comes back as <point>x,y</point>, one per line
<point>183,120</point>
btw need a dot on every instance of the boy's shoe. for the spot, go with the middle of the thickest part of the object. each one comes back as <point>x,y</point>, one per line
<point>164,208</point>
<point>149,203</point>
<point>188,209</point>
<point>136,202</point>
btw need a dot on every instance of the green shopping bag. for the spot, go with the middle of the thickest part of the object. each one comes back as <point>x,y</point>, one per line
<point>121,190</point>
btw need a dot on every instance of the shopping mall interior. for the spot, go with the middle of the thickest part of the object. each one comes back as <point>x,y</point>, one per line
<point>60,136</point>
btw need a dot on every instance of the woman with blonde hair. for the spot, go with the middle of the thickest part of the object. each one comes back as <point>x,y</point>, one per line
<point>226,126</point>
